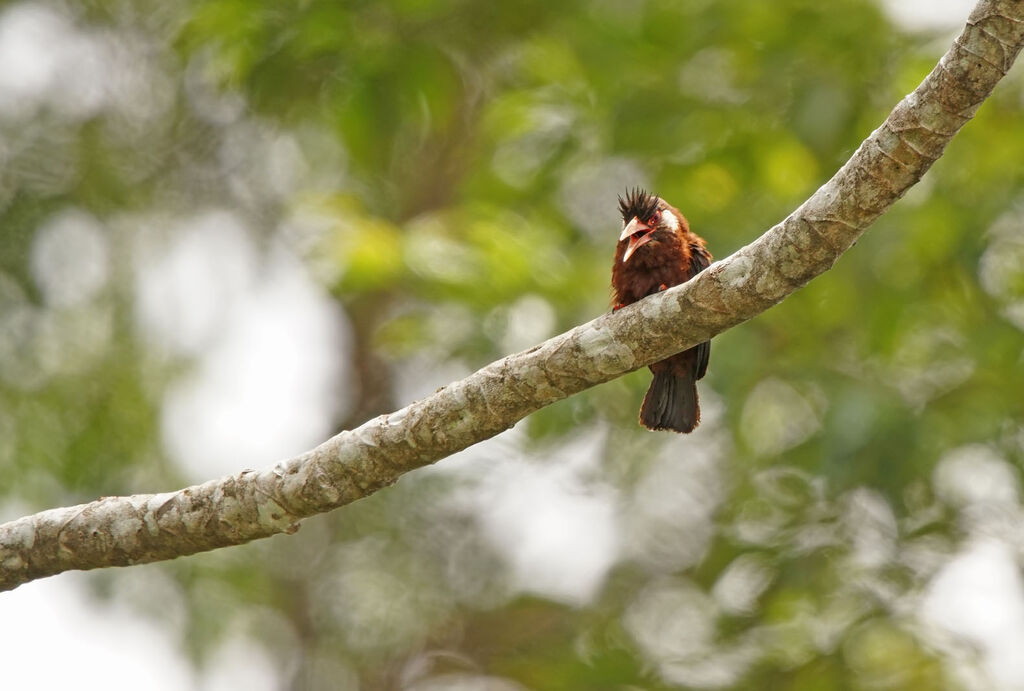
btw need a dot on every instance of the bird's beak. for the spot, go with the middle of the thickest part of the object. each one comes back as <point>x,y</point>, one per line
<point>633,227</point>
<point>639,233</point>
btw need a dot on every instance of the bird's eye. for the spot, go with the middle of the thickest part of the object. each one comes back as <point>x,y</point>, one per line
<point>653,220</point>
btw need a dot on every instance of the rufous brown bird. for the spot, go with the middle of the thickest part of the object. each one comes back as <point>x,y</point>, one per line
<point>656,250</point>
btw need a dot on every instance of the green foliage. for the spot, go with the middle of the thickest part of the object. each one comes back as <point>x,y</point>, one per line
<point>461,161</point>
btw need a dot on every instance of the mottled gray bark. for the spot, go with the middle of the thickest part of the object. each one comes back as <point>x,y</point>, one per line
<point>118,531</point>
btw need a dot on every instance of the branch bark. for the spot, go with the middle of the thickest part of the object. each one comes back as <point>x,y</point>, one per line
<point>119,531</point>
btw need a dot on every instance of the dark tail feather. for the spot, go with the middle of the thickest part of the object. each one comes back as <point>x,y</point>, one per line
<point>671,403</point>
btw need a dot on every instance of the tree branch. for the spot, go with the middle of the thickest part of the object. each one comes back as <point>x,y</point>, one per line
<point>118,531</point>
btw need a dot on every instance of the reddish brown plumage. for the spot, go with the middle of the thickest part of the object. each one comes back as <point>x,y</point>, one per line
<point>656,251</point>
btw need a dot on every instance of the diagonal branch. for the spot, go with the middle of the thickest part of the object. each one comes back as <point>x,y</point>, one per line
<point>118,531</point>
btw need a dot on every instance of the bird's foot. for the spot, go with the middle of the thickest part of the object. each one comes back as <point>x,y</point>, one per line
<point>618,306</point>
<point>662,287</point>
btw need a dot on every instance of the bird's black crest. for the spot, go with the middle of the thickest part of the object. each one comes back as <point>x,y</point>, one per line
<point>639,203</point>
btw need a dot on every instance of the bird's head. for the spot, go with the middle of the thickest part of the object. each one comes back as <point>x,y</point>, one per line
<point>643,216</point>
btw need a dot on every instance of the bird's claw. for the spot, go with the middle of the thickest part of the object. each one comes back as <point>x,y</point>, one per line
<point>662,287</point>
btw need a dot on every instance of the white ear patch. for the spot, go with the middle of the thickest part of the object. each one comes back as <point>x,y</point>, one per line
<point>670,220</point>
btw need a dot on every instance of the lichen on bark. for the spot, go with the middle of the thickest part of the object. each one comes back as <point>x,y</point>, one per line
<point>118,531</point>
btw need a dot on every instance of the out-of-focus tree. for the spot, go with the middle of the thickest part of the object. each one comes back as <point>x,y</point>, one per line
<point>447,172</point>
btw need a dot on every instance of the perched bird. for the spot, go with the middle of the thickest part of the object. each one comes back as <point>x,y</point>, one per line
<point>656,250</point>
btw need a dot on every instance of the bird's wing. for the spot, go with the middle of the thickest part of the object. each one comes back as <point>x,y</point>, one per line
<point>700,259</point>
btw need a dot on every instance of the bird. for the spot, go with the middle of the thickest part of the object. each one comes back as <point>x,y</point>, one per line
<point>656,250</point>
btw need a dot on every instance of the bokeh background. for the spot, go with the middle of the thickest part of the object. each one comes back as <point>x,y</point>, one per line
<point>229,229</point>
